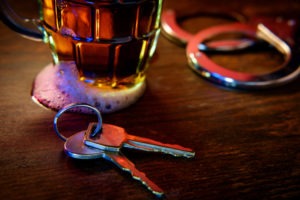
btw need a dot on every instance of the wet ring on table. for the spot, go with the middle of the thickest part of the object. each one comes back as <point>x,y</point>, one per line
<point>76,105</point>
<point>204,66</point>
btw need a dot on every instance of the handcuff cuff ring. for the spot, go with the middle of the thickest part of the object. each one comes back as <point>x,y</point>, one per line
<point>204,66</point>
<point>172,30</point>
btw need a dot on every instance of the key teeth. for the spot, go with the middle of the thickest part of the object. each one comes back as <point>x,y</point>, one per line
<point>189,153</point>
<point>124,164</point>
<point>155,192</point>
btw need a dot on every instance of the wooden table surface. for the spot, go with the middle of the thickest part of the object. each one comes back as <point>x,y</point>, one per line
<point>247,143</point>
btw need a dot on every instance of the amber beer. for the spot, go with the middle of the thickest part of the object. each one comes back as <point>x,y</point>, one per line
<point>110,41</point>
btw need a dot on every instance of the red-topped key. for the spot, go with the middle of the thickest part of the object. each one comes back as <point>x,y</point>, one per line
<point>113,138</point>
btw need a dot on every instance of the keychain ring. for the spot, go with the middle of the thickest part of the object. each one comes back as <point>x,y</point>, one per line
<point>76,105</point>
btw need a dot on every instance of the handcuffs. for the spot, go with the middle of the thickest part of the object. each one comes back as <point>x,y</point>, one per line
<point>276,32</point>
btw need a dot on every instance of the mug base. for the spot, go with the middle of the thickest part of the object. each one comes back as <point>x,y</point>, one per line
<point>58,85</point>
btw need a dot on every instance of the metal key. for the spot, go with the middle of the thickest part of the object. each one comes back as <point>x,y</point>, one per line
<point>75,148</point>
<point>113,138</point>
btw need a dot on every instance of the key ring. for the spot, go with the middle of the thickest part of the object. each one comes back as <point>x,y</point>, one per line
<point>76,105</point>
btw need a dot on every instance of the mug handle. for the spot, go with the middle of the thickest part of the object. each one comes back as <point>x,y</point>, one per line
<point>30,28</point>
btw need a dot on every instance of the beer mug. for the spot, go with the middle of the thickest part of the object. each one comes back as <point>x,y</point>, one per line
<point>109,41</point>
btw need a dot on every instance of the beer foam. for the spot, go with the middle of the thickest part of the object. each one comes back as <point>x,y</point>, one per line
<point>58,85</point>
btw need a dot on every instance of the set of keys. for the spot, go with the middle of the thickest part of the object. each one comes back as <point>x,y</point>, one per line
<point>106,141</point>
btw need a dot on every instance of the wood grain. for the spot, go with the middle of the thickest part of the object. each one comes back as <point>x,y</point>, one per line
<point>246,142</point>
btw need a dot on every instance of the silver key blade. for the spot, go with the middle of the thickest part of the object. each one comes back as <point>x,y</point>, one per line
<point>126,165</point>
<point>146,144</point>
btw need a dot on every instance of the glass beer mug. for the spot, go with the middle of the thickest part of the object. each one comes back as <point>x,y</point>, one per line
<point>110,41</point>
